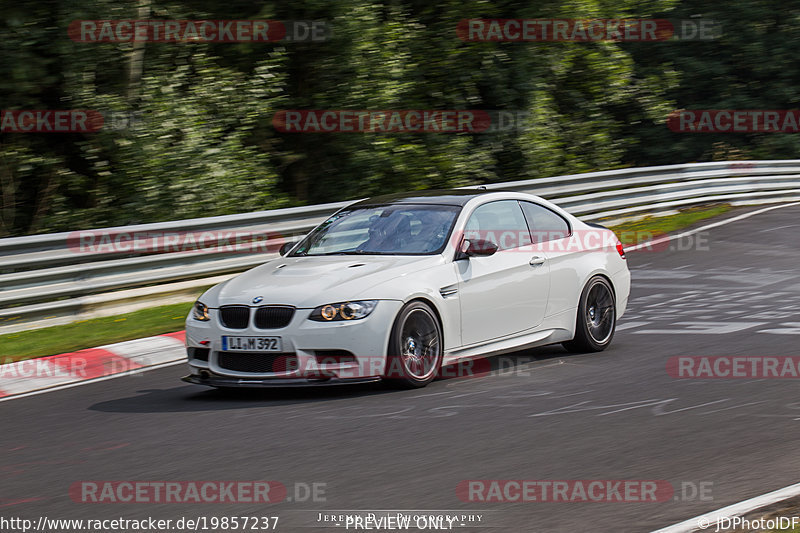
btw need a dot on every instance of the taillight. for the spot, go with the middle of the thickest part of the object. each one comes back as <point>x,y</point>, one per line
<point>620,250</point>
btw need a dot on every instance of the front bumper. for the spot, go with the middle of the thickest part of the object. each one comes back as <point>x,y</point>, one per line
<point>302,339</point>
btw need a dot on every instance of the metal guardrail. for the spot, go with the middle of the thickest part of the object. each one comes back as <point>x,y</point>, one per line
<point>48,279</point>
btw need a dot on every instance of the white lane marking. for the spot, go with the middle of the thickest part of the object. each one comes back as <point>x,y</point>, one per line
<point>659,409</point>
<point>709,520</point>
<point>431,394</point>
<point>471,393</point>
<point>581,406</point>
<point>706,227</point>
<point>572,394</point>
<point>705,328</point>
<point>732,407</point>
<point>689,295</point>
<point>629,325</point>
<point>779,227</point>
<point>792,328</point>
<point>95,380</point>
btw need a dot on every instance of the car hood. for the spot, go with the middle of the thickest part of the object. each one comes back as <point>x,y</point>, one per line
<point>308,282</point>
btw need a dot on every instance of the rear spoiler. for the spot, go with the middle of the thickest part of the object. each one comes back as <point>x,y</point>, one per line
<point>592,224</point>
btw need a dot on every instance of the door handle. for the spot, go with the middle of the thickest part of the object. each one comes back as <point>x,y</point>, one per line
<point>537,261</point>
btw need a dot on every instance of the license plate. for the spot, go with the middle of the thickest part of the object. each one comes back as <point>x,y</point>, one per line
<point>251,344</point>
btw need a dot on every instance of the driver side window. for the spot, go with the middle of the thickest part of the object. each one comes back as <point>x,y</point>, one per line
<point>501,223</point>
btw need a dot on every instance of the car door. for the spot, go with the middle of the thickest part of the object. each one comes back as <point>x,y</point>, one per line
<point>504,293</point>
<point>552,234</point>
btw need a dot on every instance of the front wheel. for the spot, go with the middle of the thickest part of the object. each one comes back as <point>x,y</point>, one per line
<point>415,347</point>
<point>597,317</point>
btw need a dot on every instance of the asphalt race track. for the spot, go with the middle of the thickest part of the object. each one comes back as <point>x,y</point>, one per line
<point>544,414</point>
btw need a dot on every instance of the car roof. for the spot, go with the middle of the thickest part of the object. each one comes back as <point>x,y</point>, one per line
<point>458,197</point>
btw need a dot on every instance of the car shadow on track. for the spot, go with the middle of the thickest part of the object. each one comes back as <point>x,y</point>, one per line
<point>191,398</point>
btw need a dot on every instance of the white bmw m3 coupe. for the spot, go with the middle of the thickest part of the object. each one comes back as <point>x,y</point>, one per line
<point>394,287</point>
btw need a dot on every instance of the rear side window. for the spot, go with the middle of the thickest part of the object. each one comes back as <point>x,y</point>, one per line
<point>546,225</point>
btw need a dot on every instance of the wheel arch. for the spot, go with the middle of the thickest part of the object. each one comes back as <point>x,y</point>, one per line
<point>406,378</point>
<point>434,308</point>
<point>609,280</point>
<point>605,276</point>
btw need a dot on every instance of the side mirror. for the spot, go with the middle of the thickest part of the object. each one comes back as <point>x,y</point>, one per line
<point>286,247</point>
<point>477,248</point>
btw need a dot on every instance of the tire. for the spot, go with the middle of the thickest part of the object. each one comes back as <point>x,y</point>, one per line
<point>597,318</point>
<point>414,356</point>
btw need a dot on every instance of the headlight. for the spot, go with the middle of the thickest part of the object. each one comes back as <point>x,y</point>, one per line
<point>200,311</point>
<point>343,311</point>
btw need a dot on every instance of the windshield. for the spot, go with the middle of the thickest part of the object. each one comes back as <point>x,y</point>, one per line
<point>382,230</point>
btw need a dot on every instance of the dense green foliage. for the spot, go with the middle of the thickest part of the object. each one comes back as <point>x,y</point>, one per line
<point>205,143</point>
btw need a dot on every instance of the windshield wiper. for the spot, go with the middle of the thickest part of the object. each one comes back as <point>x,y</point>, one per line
<point>352,252</point>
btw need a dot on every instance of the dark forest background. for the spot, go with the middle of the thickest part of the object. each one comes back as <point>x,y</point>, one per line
<point>206,145</point>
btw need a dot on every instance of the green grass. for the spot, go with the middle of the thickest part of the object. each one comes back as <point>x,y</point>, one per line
<point>169,318</point>
<point>93,332</point>
<point>642,230</point>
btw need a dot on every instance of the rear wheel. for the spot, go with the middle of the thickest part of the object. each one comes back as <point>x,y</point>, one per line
<point>597,317</point>
<point>415,347</point>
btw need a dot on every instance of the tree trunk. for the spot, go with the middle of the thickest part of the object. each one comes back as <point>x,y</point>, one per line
<point>137,57</point>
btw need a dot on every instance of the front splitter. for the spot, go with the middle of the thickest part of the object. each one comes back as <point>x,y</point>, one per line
<point>220,381</point>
